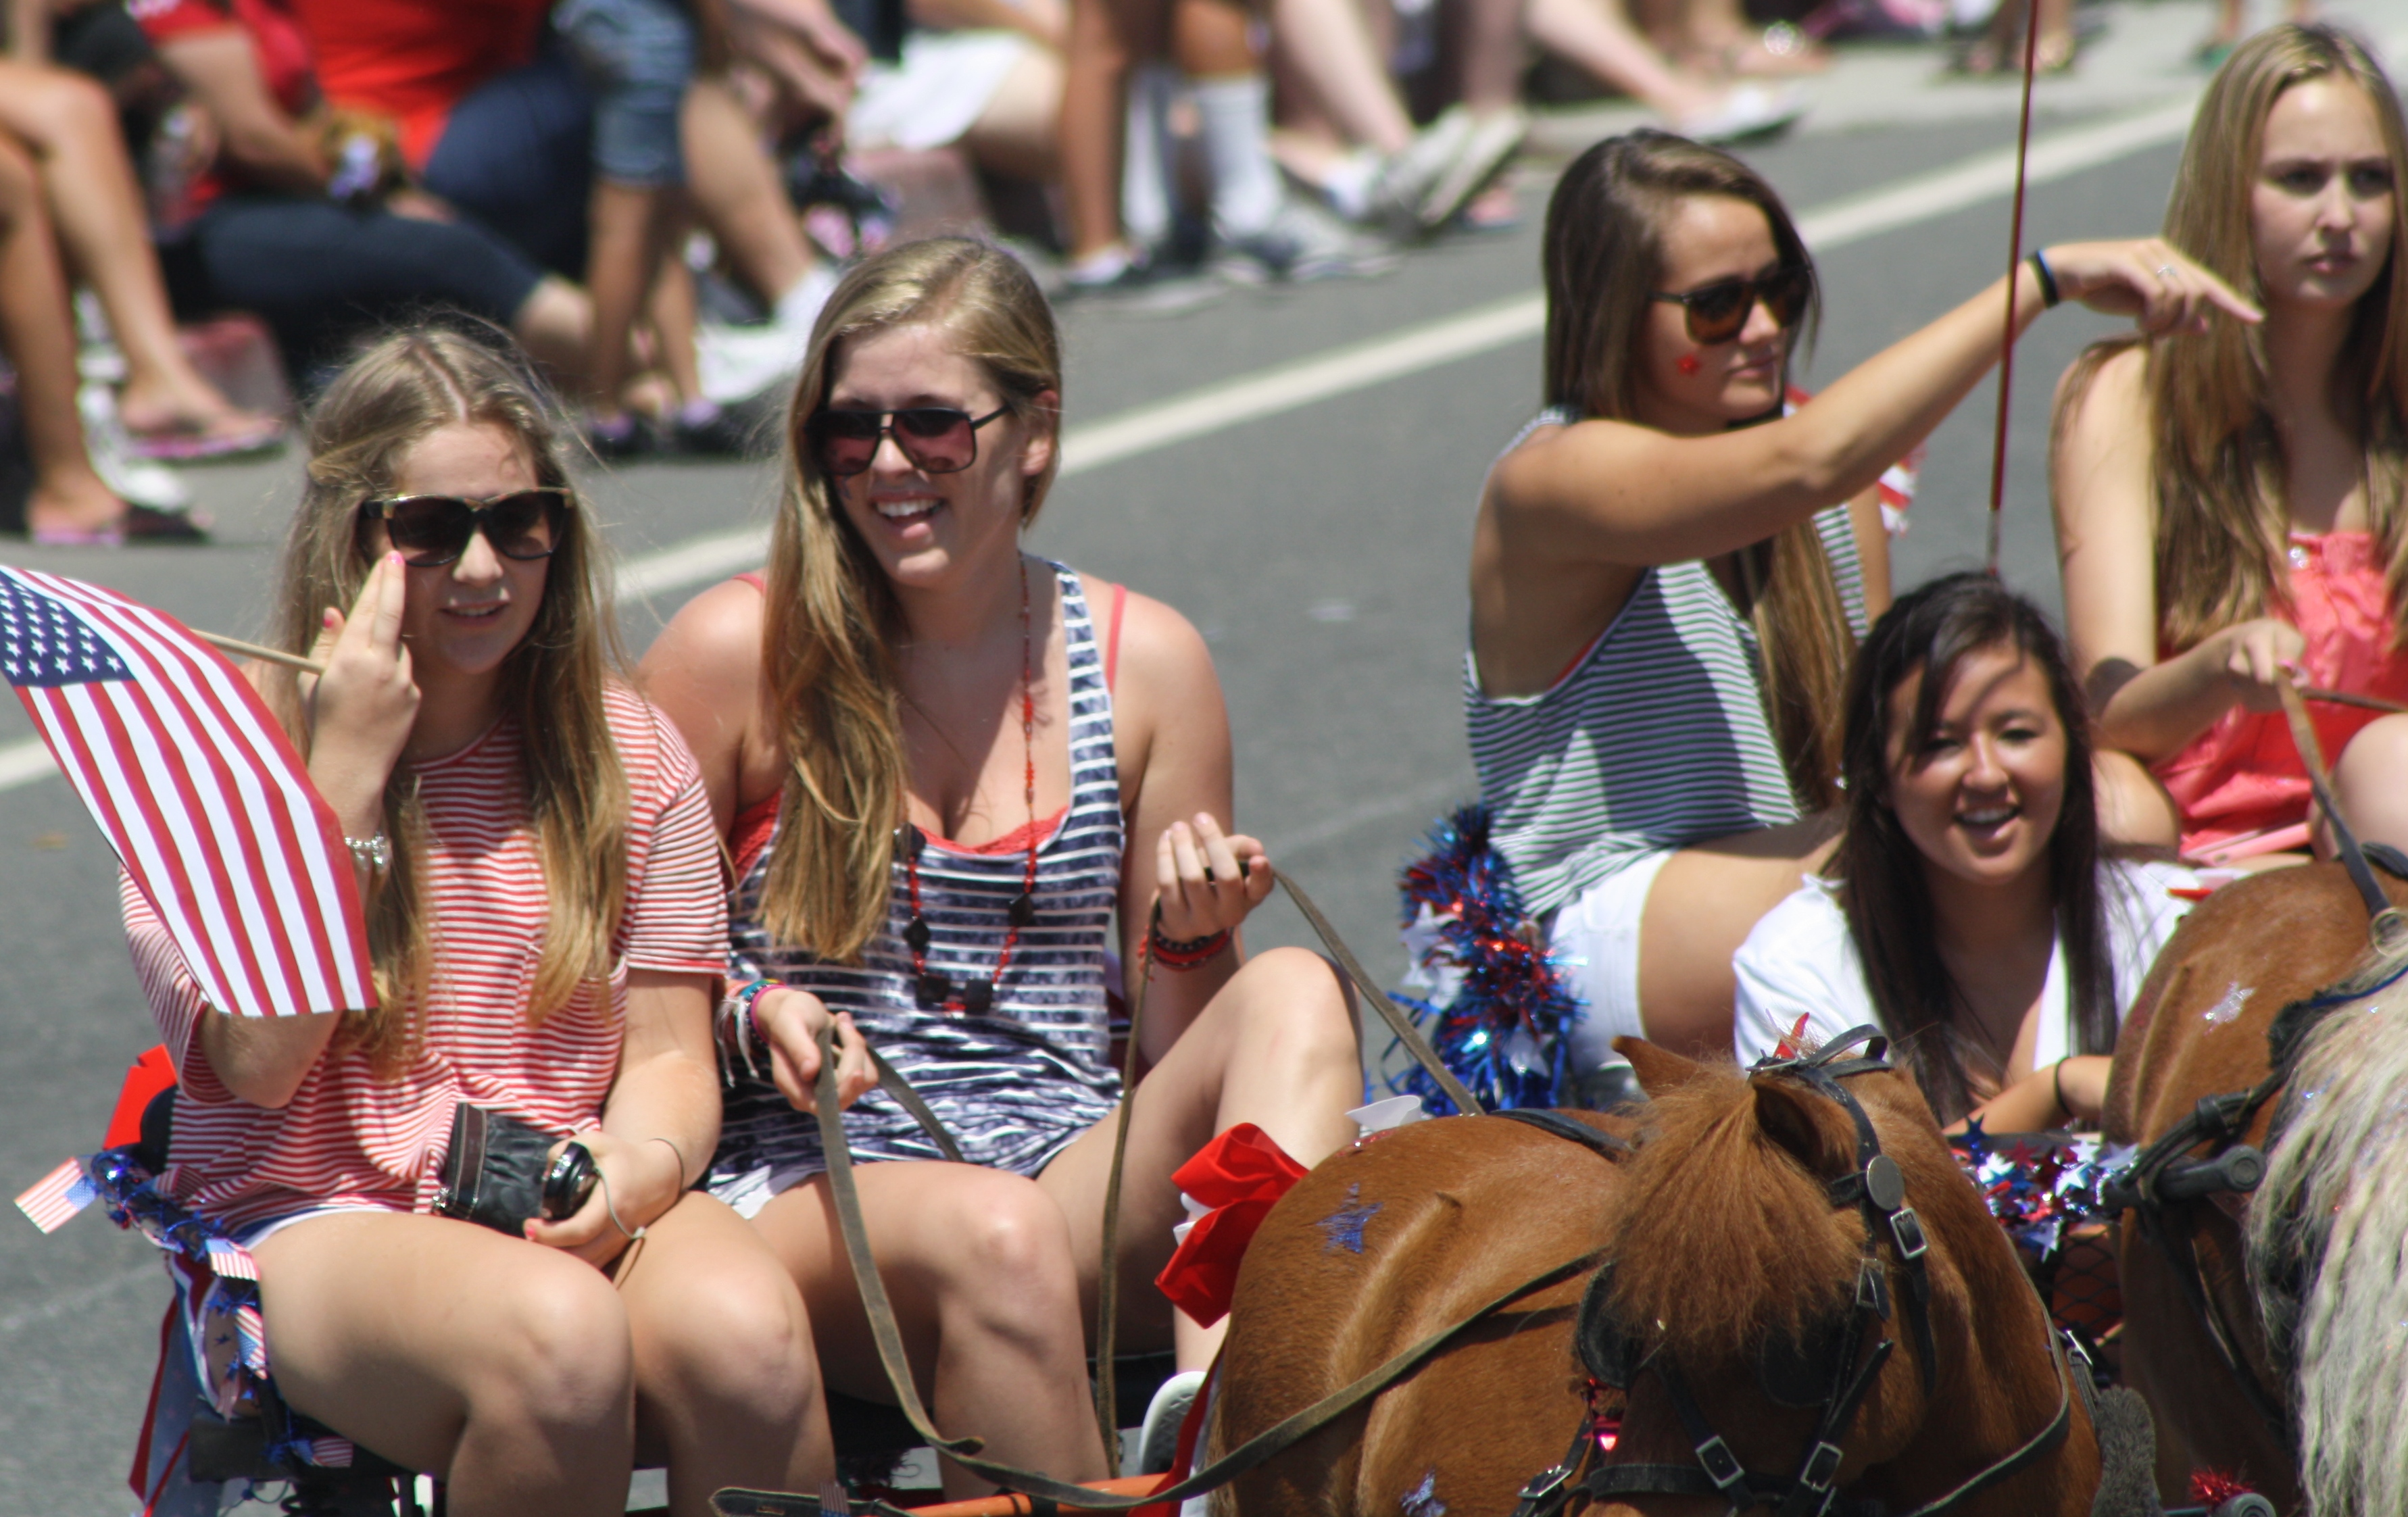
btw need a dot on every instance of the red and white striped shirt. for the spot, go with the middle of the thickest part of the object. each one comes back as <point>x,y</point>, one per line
<point>348,1138</point>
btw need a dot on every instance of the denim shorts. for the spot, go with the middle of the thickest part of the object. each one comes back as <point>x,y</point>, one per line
<point>638,56</point>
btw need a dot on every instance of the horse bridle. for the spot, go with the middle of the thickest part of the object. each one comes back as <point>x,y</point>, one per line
<point>1877,1188</point>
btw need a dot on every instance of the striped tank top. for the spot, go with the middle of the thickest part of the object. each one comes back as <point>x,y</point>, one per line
<point>1013,1085</point>
<point>1655,738</point>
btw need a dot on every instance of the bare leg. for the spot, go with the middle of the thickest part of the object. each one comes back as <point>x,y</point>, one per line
<point>1595,35</point>
<point>555,323</point>
<point>1326,43</point>
<point>2132,807</point>
<point>1493,56</point>
<point>2370,782</point>
<point>979,1266</point>
<point>1278,1047</point>
<point>625,221</point>
<point>675,312</point>
<point>1105,37</point>
<point>1020,130</point>
<point>67,495</point>
<point>70,125</point>
<point>504,1366</point>
<point>736,190</point>
<point>727,1379</point>
<point>1700,908</point>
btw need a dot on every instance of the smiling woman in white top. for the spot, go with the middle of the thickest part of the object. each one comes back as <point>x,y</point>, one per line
<point>1969,911</point>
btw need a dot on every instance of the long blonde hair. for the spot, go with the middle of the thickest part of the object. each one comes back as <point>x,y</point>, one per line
<point>2222,519</point>
<point>1604,257</point>
<point>831,616</point>
<point>391,397</point>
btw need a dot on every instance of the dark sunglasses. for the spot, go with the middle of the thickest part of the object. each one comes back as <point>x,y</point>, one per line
<point>1718,312</point>
<point>430,531</point>
<point>938,439</point>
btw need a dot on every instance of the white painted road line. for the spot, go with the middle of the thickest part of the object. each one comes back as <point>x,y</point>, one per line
<point>1220,407</point>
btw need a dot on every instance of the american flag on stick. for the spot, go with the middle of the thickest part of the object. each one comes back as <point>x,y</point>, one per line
<point>198,790</point>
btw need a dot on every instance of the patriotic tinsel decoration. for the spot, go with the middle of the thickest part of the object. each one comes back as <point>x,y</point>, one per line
<point>2037,1187</point>
<point>1493,1003</point>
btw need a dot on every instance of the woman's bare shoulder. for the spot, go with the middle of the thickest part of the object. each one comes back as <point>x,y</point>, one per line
<point>2112,389</point>
<point>720,626</point>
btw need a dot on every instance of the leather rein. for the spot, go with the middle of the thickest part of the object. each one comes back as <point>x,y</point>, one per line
<point>1876,1187</point>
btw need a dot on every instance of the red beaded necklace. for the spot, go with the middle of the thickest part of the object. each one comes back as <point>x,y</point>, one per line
<point>938,991</point>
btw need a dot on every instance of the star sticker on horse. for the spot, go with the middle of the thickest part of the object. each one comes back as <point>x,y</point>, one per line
<point>1343,1227</point>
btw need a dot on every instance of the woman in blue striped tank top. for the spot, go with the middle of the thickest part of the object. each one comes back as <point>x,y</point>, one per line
<point>956,781</point>
<point>1668,571</point>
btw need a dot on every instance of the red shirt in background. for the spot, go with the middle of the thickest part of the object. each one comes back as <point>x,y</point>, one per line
<point>275,40</point>
<point>413,59</point>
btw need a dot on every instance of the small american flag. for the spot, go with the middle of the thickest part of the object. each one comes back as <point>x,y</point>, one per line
<point>57,1196</point>
<point>198,790</point>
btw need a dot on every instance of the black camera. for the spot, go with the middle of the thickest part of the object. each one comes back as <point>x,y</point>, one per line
<point>568,1181</point>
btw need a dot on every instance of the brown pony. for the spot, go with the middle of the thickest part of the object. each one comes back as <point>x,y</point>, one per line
<point>2197,1029</point>
<point>1725,1242</point>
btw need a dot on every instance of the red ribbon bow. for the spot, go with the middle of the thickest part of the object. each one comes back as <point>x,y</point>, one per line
<point>1240,1174</point>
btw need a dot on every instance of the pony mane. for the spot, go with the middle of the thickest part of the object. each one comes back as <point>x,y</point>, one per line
<point>1726,1238</point>
<point>2326,1254</point>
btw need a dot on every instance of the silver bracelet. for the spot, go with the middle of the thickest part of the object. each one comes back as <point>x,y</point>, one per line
<point>374,854</point>
<point>680,1159</point>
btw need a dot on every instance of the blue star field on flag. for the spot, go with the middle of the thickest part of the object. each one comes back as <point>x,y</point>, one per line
<point>44,644</point>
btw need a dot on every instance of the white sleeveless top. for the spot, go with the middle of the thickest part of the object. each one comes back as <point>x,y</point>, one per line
<point>1655,738</point>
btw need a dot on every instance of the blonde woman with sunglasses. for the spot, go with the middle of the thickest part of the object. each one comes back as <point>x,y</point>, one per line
<point>1668,570</point>
<point>972,795</point>
<point>545,924</point>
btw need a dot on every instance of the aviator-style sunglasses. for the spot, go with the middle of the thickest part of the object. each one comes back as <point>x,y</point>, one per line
<point>938,439</point>
<point>431,531</point>
<point>1718,312</point>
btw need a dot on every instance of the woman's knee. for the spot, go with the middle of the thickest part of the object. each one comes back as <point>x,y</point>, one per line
<point>732,1335</point>
<point>2371,779</point>
<point>557,1352</point>
<point>1298,1000</point>
<point>63,108</point>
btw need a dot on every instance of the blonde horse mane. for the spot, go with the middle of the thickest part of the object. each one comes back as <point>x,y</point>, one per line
<point>2329,1247</point>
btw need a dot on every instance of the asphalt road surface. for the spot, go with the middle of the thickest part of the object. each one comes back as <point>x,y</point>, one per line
<point>1319,544</point>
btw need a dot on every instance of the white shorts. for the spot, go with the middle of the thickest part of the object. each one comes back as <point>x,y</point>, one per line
<point>1595,939</point>
<point>938,91</point>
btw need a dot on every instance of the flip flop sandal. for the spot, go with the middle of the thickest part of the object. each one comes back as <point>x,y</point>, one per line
<point>112,536</point>
<point>149,526</point>
<point>195,445</point>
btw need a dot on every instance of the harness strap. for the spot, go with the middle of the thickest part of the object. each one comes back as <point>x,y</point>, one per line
<point>898,1089</point>
<point>1368,988</point>
<point>1555,1124</point>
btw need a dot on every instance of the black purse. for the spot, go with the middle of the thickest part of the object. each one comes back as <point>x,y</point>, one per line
<point>501,1172</point>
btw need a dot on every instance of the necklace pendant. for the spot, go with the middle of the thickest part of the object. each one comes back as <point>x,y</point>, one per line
<point>916,935</point>
<point>931,991</point>
<point>1024,909</point>
<point>978,997</point>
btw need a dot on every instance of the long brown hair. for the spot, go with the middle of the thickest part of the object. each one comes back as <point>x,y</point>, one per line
<point>1604,257</point>
<point>391,397</point>
<point>831,617</point>
<point>1931,630</point>
<point>2216,467</point>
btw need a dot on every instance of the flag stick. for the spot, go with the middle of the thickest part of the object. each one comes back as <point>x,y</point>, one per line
<point>273,656</point>
<point>2014,263</point>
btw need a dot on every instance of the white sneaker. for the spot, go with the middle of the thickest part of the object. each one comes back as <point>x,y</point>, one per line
<point>1750,110</point>
<point>1303,242</point>
<point>1405,179</point>
<point>1157,1439</point>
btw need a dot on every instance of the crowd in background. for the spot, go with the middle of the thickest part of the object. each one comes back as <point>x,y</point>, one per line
<point>655,196</point>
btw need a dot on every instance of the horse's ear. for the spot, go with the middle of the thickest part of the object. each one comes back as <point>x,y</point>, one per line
<point>1659,1069</point>
<point>1809,1127</point>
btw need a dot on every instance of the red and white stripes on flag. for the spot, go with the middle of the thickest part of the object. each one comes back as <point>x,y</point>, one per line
<point>57,1196</point>
<point>196,787</point>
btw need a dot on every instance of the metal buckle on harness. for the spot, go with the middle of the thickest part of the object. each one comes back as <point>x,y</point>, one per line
<point>1822,1467</point>
<point>1721,1466</point>
<point>1545,1483</point>
<point>1905,1226</point>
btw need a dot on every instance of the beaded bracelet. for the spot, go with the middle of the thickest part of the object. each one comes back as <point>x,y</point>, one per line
<point>739,1033</point>
<point>1177,955</point>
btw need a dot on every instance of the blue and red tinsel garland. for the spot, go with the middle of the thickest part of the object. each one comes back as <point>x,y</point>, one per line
<point>1494,1004</point>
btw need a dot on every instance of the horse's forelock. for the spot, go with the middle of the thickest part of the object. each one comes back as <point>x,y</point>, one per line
<point>1726,1238</point>
<point>2325,1229</point>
